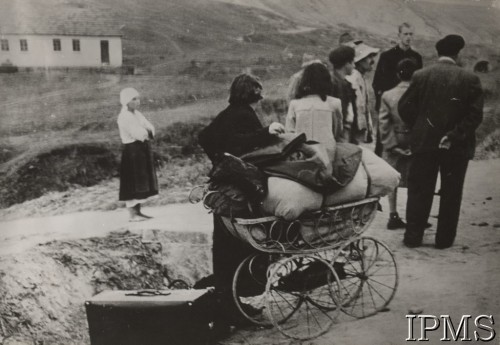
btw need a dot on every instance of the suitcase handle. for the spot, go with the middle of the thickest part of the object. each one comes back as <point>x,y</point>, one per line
<point>146,293</point>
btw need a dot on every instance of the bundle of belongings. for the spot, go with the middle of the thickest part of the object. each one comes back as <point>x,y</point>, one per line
<point>294,176</point>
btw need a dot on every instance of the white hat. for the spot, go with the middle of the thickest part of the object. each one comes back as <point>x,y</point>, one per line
<point>126,95</point>
<point>363,50</point>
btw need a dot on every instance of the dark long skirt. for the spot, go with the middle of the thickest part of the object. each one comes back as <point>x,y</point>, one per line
<point>228,252</point>
<point>137,172</point>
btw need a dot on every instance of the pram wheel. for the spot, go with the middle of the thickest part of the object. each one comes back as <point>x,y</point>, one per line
<point>249,285</point>
<point>300,291</point>
<point>370,277</point>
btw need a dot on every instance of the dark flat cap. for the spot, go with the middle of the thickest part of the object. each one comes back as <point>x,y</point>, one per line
<point>450,45</point>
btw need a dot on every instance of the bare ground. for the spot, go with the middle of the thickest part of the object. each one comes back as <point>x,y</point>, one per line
<point>51,265</point>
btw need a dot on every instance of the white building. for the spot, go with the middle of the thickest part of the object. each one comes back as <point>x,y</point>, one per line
<point>57,42</point>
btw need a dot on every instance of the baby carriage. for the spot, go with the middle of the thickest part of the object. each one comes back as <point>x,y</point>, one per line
<point>308,270</point>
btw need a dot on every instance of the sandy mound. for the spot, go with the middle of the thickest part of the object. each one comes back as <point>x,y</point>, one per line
<point>44,303</point>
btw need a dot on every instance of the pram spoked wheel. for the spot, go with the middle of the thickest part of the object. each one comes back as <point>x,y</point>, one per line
<point>369,278</point>
<point>249,284</point>
<point>300,290</point>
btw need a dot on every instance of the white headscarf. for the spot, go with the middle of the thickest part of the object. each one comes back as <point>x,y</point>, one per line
<point>126,95</point>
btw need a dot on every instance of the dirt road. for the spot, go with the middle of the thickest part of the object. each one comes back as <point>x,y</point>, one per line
<point>462,280</point>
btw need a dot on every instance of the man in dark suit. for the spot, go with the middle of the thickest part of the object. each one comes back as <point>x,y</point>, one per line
<point>443,107</point>
<point>386,73</point>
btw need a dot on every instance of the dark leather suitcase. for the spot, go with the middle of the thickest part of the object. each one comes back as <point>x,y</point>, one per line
<point>150,317</point>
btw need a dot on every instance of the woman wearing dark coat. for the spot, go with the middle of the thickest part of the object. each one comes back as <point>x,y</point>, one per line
<point>236,130</point>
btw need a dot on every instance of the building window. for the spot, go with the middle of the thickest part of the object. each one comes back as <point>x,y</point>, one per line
<point>5,45</point>
<point>24,45</point>
<point>56,42</point>
<point>76,45</point>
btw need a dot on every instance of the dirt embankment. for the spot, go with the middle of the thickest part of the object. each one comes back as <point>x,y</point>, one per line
<point>44,303</point>
<point>43,288</point>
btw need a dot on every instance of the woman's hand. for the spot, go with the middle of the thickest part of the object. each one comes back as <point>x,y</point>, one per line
<point>276,128</point>
<point>401,151</point>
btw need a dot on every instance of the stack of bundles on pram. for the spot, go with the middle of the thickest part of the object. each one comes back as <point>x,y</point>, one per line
<point>308,176</point>
<point>301,176</point>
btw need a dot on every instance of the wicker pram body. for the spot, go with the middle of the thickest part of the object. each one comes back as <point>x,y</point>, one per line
<point>316,231</point>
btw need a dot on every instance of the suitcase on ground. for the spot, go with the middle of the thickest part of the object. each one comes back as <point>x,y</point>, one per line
<point>150,317</point>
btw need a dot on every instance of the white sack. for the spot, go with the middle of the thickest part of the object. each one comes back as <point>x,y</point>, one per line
<point>289,199</point>
<point>354,191</point>
<point>384,178</point>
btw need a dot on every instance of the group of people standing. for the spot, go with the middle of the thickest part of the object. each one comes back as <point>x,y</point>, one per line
<point>352,117</point>
<point>427,118</point>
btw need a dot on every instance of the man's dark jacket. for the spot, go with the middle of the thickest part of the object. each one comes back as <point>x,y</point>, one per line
<point>443,99</point>
<point>386,74</point>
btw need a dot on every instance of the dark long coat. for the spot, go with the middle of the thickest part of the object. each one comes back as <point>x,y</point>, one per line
<point>443,99</point>
<point>236,130</point>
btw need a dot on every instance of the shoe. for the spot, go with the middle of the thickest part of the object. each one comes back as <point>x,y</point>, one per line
<point>250,310</point>
<point>443,245</point>
<point>411,244</point>
<point>395,222</point>
<point>220,331</point>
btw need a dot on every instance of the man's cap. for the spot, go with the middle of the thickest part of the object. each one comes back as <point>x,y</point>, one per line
<point>450,45</point>
<point>347,39</point>
<point>341,55</point>
<point>363,51</point>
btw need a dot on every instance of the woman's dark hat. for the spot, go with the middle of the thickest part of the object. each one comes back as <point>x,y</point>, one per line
<point>450,45</point>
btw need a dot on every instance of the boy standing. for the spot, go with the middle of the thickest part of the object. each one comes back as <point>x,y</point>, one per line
<point>342,60</point>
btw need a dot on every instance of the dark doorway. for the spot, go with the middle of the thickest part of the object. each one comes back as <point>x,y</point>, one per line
<point>105,52</point>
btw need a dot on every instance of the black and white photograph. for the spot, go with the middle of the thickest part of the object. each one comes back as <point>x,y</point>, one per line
<point>249,172</point>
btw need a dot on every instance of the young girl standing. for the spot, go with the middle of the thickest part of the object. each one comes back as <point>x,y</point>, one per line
<point>315,112</point>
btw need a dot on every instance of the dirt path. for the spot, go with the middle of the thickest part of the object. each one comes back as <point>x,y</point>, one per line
<point>19,235</point>
<point>464,279</point>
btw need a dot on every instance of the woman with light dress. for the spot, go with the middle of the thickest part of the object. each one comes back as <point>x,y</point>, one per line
<point>138,180</point>
<point>315,112</point>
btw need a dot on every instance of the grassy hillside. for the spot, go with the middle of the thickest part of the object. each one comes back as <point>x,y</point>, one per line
<point>186,53</point>
<point>476,20</point>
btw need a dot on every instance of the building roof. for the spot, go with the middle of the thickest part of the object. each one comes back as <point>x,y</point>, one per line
<point>31,17</point>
